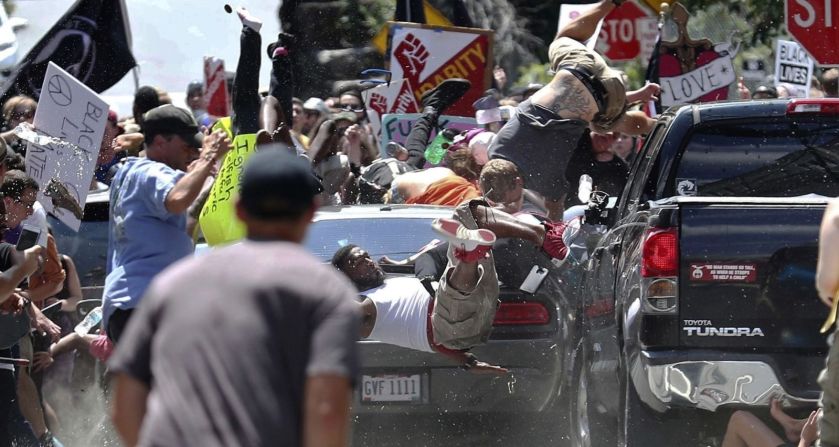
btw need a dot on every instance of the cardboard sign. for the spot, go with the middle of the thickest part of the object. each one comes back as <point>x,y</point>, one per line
<point>215,87</point>
<point>75,114</point>
<point>218,217</point>
<point>723,272</point>
<point>793,68</point>
<point>384,99</point>
<point>693,71</point>
<point>396,127</point>
<point>425,55</point>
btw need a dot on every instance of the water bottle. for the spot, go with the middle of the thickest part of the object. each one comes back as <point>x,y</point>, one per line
<point>90,321</point>
<point>436,151</point>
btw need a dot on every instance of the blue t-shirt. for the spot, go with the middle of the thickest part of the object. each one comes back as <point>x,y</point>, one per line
<point>143,237</point>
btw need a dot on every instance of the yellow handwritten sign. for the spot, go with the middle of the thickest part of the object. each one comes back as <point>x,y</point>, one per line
<point>225,124</point>
<point>218,217</point>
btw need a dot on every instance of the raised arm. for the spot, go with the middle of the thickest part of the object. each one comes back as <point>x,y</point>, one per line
<point>186,190</point>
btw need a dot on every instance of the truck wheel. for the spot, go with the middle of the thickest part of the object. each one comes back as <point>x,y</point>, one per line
<point>591,425</point>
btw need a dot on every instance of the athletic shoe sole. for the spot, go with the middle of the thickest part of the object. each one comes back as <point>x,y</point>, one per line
<point>463,237</point>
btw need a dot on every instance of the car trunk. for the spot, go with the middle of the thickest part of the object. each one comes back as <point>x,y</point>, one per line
<point>747,276</point>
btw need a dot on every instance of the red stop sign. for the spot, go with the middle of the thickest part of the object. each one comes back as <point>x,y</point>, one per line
<point>619,35</point>
<point>815,25</point>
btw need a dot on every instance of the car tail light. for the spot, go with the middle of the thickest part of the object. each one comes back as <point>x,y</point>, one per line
<point>522,313</point>
<point>660,271</point>
<point>816,106</point>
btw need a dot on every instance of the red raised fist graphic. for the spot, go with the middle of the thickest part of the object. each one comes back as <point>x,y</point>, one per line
<point>412,56</point>
<point>378,103</point>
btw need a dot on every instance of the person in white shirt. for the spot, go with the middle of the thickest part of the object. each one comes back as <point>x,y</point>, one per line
<point>401,311</point>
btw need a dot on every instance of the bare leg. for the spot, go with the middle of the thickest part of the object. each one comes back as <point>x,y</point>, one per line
<point>464,276</point>
<point>746,430</point>
<point>792,426</point>
<point>583,27</point>
<point>30,403</point>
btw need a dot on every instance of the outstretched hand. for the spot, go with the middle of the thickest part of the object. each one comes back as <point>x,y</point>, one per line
<point>649,92</point>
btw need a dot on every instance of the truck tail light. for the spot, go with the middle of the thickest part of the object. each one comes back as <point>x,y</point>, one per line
<point>660,271</point>
<point>815,106</point>
<point>660,254</point>
<point>521,313</point>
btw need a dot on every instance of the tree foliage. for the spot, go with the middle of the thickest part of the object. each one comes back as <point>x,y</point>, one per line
<point>765,17</point>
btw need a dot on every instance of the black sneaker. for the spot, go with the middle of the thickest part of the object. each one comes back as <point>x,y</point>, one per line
<point>445,94</point>
<point>284,40</point>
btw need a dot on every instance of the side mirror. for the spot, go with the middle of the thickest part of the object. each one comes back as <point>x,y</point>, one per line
<point>18,23</point>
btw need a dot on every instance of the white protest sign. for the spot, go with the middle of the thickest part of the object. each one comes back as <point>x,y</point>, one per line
<point>397,97</point>
<point>684,88</point>
<point>396,127</point>
<point>569,13</point>
<point>793,68</point>
<point>72,112</point>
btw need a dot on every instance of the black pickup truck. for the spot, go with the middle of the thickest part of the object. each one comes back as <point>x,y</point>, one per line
<point>699,297</point>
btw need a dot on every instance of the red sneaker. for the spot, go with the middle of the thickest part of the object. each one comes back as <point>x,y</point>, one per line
<point>469,245</point>
<point>554,244</point>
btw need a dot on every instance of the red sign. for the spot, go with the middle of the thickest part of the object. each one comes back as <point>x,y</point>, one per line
<point>723,272</point>
<point>815,25</point>
<point>215,87</point>
<point>426,55</point>
<point>620,34</point>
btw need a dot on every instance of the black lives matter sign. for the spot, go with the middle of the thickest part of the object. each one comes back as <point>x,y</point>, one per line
<point>793,66</point>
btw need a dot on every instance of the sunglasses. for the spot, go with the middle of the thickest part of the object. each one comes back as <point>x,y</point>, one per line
<point>357,108</point>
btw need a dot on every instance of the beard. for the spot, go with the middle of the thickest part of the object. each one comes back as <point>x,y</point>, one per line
<point>371,282</point>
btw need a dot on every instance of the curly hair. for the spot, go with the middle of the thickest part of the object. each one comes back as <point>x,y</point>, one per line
<point>461,161</point>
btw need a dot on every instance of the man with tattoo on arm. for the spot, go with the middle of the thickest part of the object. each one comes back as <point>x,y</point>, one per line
<point>584,92</point>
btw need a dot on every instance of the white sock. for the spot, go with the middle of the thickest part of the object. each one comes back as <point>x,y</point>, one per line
<point>248,19</point>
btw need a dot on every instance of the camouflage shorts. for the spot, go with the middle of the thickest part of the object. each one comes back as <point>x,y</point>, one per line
<point>463,320</point>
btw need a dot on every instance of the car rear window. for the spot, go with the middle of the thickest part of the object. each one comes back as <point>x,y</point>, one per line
<point>397,238</point>
<point>773,158</point>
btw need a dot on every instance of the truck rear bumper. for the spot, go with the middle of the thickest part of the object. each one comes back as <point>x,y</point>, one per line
<point>710,384</point>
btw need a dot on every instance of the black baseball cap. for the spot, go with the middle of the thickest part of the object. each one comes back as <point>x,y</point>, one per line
<point>168,120</point>
<point>277,184</point>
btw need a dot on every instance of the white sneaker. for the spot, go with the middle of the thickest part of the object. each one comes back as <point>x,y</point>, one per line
<point>462,237</point>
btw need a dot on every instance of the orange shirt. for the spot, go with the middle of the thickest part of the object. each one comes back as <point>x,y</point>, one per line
<point>450,191</point>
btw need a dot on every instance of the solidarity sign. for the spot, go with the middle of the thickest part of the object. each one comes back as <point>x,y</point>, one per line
<point>425,55</point>
<point>74,115</point>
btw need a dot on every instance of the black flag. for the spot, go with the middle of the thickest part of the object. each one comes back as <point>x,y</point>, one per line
<point>90,42</point>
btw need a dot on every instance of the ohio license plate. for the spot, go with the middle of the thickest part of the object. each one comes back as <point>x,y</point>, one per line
<point>391,388</point>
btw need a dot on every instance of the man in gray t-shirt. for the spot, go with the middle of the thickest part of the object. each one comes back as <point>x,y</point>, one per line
<point>253,344</point>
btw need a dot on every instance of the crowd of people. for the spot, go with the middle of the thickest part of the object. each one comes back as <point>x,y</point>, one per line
<point>176,367</point>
